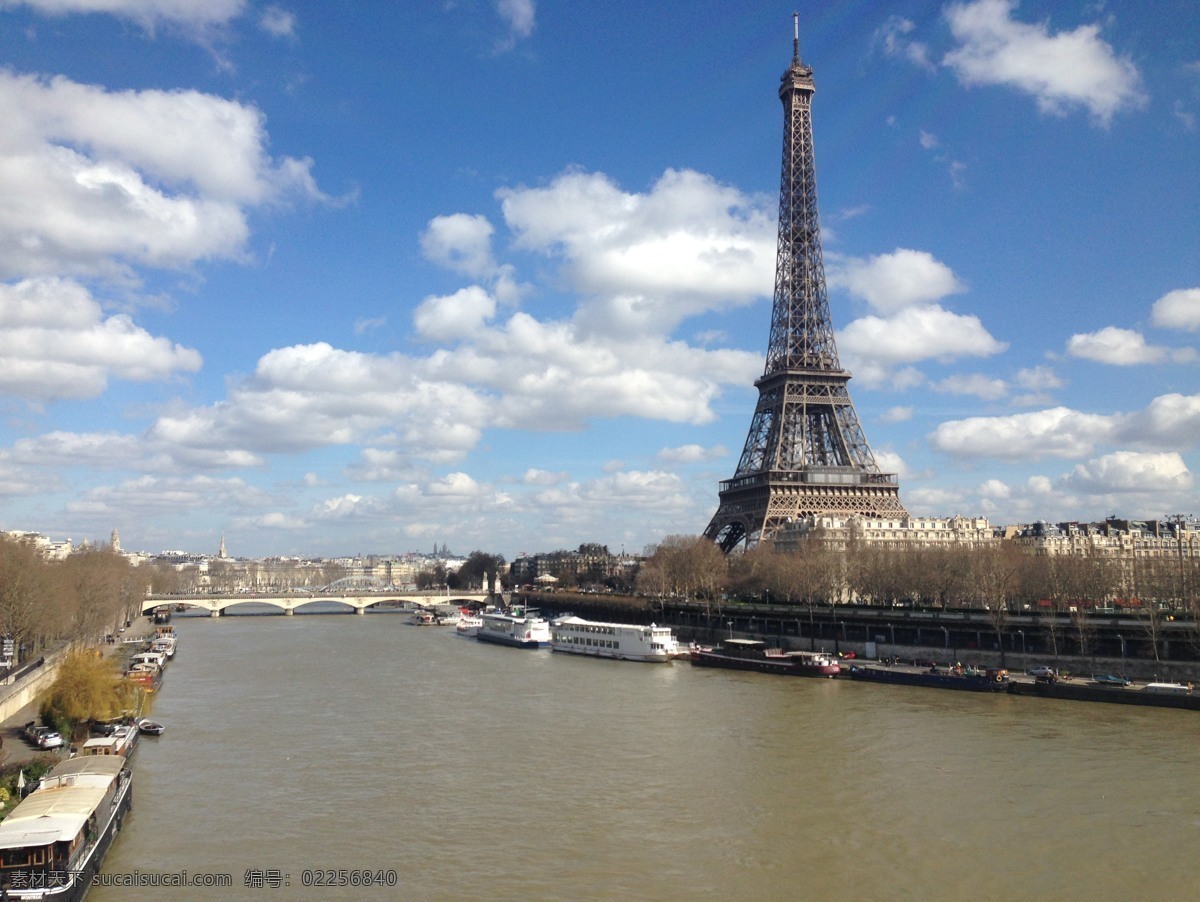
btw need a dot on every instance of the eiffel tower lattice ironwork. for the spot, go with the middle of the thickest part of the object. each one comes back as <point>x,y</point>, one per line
<point>806,454</point>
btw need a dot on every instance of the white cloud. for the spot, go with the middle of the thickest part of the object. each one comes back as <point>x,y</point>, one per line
<point>96,182</point>
<point>893,36</point>
<point>147,13</point>
<point>1058,432</point>
<point>518,374</point>
<point>892,282</point>
<point>1039,383</point>
<point>1038,378</point>
<point>278,22</point>
<point>648,261</point>
<point>365,325</point>
<point>1062,71</point>
<point>897,415</point>
<point>382,465</point>
<point>995,489</point>
<point>534,476</point>
<point>459,317</point>
<point>876,346</point>
<point>460,242</point>
<point>153,495</point>
<point>273,520</point>
<point>1130,471</point>
<point>459,485</point>
<point>1120,347</point>
<point>691,454</point>
<point>1169,421</point>
<point>976,384</point>
<point>519,14</point>
<point>55,342</point>
<point>1178,309</point>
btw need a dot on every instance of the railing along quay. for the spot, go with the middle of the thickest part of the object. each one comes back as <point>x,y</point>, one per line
<point>956,629</point>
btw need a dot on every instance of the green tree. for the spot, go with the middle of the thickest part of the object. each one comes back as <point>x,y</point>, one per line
<point>479,566</point>
<point>89,687</point>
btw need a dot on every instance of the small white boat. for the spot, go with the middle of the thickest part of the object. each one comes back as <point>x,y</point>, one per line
<point>150,727</point>
<point>519,627</point>
<point>468,625</point>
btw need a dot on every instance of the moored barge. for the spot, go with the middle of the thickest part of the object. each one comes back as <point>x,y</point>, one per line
<point>1156,695</point>
<point>753,654</point>
<point>963,679</point>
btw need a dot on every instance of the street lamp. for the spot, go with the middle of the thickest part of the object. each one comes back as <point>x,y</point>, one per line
<point>1122,639</point>
<point>729,623</point>
<point>1022,632</point>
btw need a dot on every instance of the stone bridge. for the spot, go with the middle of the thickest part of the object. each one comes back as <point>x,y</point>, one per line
<point>289,603</point>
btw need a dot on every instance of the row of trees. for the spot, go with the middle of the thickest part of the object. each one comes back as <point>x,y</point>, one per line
<point>81,598</point>
<point>998,578</point>
<point>999,574</point>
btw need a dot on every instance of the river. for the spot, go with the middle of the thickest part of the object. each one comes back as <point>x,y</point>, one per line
<point>306,744</point>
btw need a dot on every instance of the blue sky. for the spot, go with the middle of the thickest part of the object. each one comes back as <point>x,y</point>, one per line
<point>369,277</point>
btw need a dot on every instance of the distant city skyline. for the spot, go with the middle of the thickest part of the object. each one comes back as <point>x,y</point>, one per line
<point>330,281</point>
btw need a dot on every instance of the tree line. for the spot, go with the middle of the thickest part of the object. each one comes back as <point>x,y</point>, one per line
<point>80,598</point>
<point>998,578</point>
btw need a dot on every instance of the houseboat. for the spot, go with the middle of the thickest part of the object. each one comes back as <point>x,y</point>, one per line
<point>753,654</point>
<point>52,843</point>
<point>520,627</point>
<point>629,642</point>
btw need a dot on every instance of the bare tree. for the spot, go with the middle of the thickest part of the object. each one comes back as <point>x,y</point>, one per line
<point>687,566</point>
<point>994,575</point>
<point>25,594</point>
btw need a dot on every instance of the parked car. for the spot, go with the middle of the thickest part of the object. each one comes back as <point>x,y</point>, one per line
<point>50,740</point>
<point>1042,672</point>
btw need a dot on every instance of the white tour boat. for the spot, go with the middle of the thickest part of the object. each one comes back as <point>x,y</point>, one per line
<point>627,641</point>
<point>521,627</point>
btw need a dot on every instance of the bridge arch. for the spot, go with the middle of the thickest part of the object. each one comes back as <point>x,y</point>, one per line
<point>357,601</point>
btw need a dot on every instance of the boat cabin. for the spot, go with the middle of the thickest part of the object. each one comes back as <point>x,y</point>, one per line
<point>1168,688</point>
<point>158,659</point>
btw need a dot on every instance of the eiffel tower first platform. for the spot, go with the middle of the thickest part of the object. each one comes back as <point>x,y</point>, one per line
<point>806,454</point>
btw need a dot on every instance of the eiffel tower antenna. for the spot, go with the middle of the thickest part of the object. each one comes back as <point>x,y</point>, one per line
<point>806,454</point>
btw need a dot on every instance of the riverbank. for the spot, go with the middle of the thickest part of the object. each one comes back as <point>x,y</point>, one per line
<point>1100,642</point>
<point>20,702</point>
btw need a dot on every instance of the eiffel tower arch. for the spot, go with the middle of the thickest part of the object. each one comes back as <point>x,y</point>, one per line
<point>806,453</point>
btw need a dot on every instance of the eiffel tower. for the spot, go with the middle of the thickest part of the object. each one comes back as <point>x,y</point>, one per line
<point>806,454</point>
